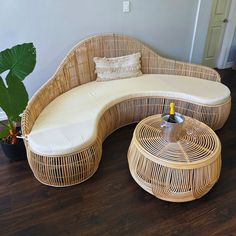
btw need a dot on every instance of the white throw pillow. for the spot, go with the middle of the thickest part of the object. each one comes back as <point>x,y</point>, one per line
<point>118,67</point>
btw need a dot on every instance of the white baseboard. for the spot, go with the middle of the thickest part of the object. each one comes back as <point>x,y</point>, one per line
<point>2,116</point>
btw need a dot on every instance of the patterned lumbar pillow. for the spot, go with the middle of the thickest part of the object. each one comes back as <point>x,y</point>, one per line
<point>118,67</point>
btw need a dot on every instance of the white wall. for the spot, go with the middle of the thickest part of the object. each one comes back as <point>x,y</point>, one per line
<point>202,29</point>
<point>232,52</point>
<point>54,26</point>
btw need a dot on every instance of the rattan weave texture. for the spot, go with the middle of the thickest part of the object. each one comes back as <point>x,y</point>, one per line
<point>175,171</point>
<point>78,68</point>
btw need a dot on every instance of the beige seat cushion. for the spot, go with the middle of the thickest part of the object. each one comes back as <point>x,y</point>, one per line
<point>70,121</point>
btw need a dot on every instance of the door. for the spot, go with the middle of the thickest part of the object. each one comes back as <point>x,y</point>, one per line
<point>218,21</point>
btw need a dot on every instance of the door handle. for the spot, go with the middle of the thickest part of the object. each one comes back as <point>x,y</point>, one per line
<point>225,20</point>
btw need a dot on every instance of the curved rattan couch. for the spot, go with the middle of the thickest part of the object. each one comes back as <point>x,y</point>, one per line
<point>77,69</point>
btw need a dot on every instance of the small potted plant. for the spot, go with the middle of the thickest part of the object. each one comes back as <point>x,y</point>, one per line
<point>15,64</point>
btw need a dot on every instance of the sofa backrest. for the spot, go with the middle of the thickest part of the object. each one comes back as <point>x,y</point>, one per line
<point>78,67</point>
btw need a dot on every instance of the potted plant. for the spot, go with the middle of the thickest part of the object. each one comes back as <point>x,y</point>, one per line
<point>15,64</point>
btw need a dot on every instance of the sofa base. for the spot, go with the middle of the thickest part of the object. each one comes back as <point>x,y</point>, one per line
<point>74,168</point>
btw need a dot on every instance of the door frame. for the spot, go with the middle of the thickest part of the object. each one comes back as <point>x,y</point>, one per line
<point>223,55</point>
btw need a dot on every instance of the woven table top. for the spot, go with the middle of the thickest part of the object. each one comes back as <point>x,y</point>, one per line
<point>197,146</point>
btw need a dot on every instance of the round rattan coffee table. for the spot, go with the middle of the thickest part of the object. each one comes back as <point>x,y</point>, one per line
<point>178,172</point>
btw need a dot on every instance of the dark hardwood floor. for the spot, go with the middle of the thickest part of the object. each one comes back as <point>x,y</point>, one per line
<point>111,203</point>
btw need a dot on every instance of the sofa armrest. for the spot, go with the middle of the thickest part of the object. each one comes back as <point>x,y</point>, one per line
<point>54,87</point>
<point>71,73</point>
<point>36,104</point>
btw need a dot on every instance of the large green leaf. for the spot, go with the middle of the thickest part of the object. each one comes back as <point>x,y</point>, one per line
<point>5,102</point>
<point>14,98</point>
<point>4,132</point>
<point>18,97</point>
<point>20,60</point>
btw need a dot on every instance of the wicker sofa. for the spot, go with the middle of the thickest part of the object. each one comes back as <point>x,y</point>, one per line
<point>55,165</point>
